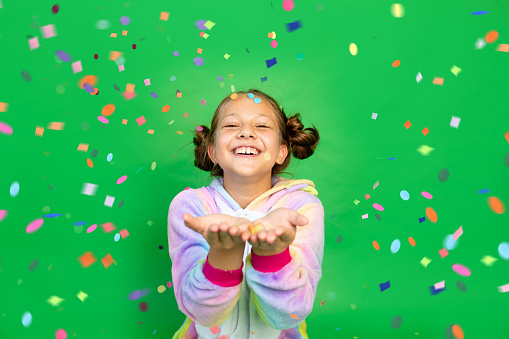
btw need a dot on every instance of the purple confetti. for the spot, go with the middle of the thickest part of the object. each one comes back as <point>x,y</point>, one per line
<point>88,87</point>
<point>125,20</point>
<point>176,53</point>
<point>198,61</point>
<point>63,56</point>
<point>154,94</point>
<point>200,24</point>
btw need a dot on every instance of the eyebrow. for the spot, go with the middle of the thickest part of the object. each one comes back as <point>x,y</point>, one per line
<point>259,114</point>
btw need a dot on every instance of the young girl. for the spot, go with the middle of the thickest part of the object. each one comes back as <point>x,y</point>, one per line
<point>247,250</point>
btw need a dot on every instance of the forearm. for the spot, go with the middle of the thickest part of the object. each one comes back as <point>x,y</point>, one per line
<point>227,260</point>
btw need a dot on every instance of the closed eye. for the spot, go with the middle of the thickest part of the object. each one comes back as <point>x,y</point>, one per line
<point>236,125</point>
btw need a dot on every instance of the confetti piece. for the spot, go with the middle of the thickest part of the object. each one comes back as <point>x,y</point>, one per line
<point>102,119</point>
<point>34,225</point>
<point>33,43</point>
<point>108,110</point>
<point>404,195</point>
<point>26,319</point>
<point>480,13</point>
<point>418,78</point>
<point>458,233</point>
<point>3,214</point>
<point>125,20</point>
<point>141,120</point>
<point>503,48</point>
<point>147,82</point>
<point>503,250</point>
<point>397,10</point>
<point>353,49</point>
<point>82,296</point>
<point>57,126</point>
<point>214,330</point>
<point>143,306</point>
<point>384,286</point>
<point>76,67</point>
<point>164,16</point>
<point>91,228</point>
<point>60,334</point>
<point>455,70</point>
<point>166,108</point>
<point>457,331</point>
<point>55,9</point>
<point>376,245</point>
<point>107,261</point>
<point>431,214</point>
<point>288,5</point>
<point>124,33</point>
<point>108,227</point>
<point>496,205</point>
<point>124,233</point>
<point>87,259</point>
<point>294,316</point>
<point>48,31</point>
<point>121,68</point>
<point>411,241</point>
<point>209,24</point>
<point>54,300</point>
<point>455,121</point>
<point>109,201</point>
<point>26,76</point>
<point>89,189</point>
<point>488,260</point>
<point>5,129</point>
<point>395,246</point>
<point>491,36</point>
<point>121,179</point>
<point>426,195</point>
<point>425,261</point>
<point>292,26</point>
<point>504,288</point>
<point>461,270</point>
<point>271,62</point>
<point>443,253</point>
<point>396,63</point>
<point>438,81</point>
<point>396,322</point>
<point>4,106</point>
<point>91,80</point>
<point>198,61</point>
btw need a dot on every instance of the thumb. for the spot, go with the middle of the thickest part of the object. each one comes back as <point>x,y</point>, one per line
<point>299,219</point>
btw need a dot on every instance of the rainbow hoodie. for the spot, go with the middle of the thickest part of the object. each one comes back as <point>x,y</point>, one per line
<point>269,297</point>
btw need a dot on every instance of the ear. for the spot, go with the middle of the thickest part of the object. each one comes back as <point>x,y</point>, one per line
<point>210,151</point>
<point>283,152</point>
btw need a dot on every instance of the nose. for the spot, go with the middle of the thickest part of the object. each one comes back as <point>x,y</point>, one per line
<point>246,131</point>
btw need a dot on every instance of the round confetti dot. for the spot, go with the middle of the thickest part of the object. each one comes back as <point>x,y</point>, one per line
<point>102,24</point>
<point>14,189</point>
<point>199,128</point>
<point>169,284</point>
<point>121,179</point>
<point>503,250</point>
<point>250,95</point>
<point>339,239</point>
<point>55,9</point>
<point>443,175</point>
<point>176,53</point>
<point>378,217</point>
<point>300,56</point>
<point>426,195</point>
<point>120,60</point>
<point>431,214</point>
<point>396,322</point>
<point>154,94</point>
<point>397,10</point>
<point>396,63</point>
<point>219,78</point>
<point>60,334</point>
<point>376,245</point>
<point>134,46</point>
<point>234,96</point>
<point>395,246</point>
<point>161,289</point>
<point>34,225</point>
<point>461,286</point>
<point>33,265</point>
<point>125,20</point>
<point>353,49</point>
<point>161,247</point>
<point>63,56</point>
<point>34,25</point>
<point>109,157</point>
<point>411,241</point>
<point>116,87</point>
<point>173,78</point>
<point>378,207</point>
<point>461,270</point>
<point>449,242</point>
<point>257,100</point>
<point>273,44</point>
<point>457,331</point>
<point>26,76</point>
<point>26,319</point>
<point>198,61</point>
<point>108,110</point>
<point>203,102</point>
<point>404,195</point>
<point>96,56</point>
<point>491,37</point>
<point>91,228</point>
<point>117,237</point>
<point>143,306</point>
<point>60,89</point>
<point>496,205</point>
<point>288,5</point>
<point>94,152</point>
<point>166,108</point>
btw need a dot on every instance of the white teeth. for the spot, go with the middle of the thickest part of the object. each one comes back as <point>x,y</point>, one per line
<point>246,150</point>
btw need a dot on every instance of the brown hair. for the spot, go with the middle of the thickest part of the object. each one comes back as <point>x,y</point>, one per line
<point>301,143</point>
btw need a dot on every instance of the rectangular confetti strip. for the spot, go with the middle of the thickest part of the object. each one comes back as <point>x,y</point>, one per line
<point>124,32</point>
<point>76,67</point>
<point>107,260</point>
<point>121,68</point>
<point>504,288</point>
<point>141,120</point>
<point>48,31</point>
<point>89,189</point>
<point>438,81</point>
<point>114,55</point>
<point>109,201</point>
<point>33,43</point>
<point>39,131</point>
<point>59,126</point>
<point>503,48</point>
<point>455,121</point>
<point>113,35</point>
<point>83,147</point>
<point>129,88</point>
<point>458,233</point>
<point>147,82</point>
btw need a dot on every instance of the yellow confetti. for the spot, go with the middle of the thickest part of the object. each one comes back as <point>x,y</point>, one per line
<point>82,296</point>
<point>488,260</point>
<point>425,261</point>
<point>455,70</point>
<point>54,300</point>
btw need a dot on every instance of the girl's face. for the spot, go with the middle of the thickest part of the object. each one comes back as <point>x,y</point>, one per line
<point>243,122</point>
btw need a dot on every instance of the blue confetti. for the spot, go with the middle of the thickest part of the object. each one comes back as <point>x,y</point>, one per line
<point>257,100</point>
<point>52,215</point>
<point>271,62</point>
<point>264,79</point>
<point>384,286</point>
<point>79,223</point>
<point>421,220</point>
<point>479,13</point>
<point>486,190</point>
<point>292,26</point>
<point>250,95</point>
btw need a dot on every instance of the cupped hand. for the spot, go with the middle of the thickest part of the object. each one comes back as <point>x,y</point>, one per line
<point>280,229</point>
<point>221,231</point>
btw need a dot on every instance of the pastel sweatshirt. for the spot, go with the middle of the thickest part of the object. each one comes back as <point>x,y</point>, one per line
<point>269,297</point>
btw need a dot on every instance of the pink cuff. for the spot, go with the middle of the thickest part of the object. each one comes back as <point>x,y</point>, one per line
<point>271,263</point>
<point>221,277</point>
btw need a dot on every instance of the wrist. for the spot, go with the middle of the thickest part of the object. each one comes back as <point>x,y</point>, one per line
<point>264,253</point>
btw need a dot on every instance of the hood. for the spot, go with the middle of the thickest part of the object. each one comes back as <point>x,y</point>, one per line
<point>280,187</point>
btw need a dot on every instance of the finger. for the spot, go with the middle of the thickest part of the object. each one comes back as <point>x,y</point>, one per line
<point>212,235</point>
<point>224,235</point>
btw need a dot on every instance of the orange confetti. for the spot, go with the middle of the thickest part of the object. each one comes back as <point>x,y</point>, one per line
<point>90,79</point>
<point>431,214</point>
<point>496,205</point>
<point>96,90</point>
<point>107,260</point>
<point>491,37</point>
<point>58,126</point>
<point>396,63</point>
<point>87,259</point>
<point>294,316</point>
<point>457,331</point>
<point>166,108</point>
<point>90,163</point>
<point>234,96</point>
<point>425,131</point>
<point>407,124</point>
<point>411,241</point>
<point>375,245</point>
<point>108,110</point>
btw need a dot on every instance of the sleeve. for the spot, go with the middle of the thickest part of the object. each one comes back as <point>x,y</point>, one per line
<point>283,286</point>
<point>204,302</point>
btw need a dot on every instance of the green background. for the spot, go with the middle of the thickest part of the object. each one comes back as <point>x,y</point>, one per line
<point>331,88</point>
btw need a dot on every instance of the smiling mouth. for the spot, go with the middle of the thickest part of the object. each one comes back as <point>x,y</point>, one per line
<point>246,155</point>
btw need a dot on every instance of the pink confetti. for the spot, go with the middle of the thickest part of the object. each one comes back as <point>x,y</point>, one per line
<point>3,214</point>
<point>61,334</point>
<point>76,67</point>
<point>48,31</point>
<point>34,225</point>
<point>121,179</point>
<point>426,195</point>
<point>33,43</point>
<point>5,129</point>
<point>102,119</point>
<point>378,207</point>
<point>461,270</point>
<point>504,288</point>
<point>91,228</point>
<point>141,120</point>
<point>458,233</point>
<point>443,252</point>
